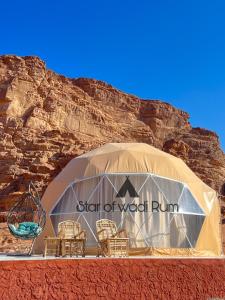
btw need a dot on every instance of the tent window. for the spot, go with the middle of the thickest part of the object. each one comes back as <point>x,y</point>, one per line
<point>127,199</point>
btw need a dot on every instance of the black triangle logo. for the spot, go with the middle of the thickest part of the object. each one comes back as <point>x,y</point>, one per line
<point>127,187</point>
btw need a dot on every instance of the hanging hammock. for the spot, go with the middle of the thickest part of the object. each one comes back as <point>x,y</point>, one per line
<point>26,219</point>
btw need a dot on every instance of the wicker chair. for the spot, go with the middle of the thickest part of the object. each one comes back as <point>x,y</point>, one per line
<point>111,241</point>
<point>69,241</point>
<point>73,238</point>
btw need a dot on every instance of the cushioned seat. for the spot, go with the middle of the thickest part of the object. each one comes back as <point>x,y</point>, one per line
<point>26,229</point>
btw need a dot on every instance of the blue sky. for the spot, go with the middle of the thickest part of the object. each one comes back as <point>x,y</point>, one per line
<point>171,50</point>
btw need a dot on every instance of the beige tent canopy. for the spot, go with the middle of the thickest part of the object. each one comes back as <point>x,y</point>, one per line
<point>164,207</point>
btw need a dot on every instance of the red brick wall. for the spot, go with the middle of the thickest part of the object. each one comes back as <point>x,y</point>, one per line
<point>113,279</point>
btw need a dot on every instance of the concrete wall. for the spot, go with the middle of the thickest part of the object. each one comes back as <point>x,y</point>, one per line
<point>113,279</point>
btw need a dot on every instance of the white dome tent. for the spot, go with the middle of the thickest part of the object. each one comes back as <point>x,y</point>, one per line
<point>164,207</point>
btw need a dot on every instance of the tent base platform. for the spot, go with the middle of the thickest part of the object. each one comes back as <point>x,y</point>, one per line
<point>36,277</point>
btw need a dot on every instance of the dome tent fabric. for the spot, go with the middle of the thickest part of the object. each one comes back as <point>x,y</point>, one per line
<point>164,207</point>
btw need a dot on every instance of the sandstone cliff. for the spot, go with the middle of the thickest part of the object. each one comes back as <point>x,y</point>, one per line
<point>46,119</point>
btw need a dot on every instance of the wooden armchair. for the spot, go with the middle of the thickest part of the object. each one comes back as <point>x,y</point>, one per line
<point>70,240</point>
<point>112,242</point>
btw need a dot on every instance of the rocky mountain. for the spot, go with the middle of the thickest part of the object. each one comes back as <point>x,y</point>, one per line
<point>46,119</point>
